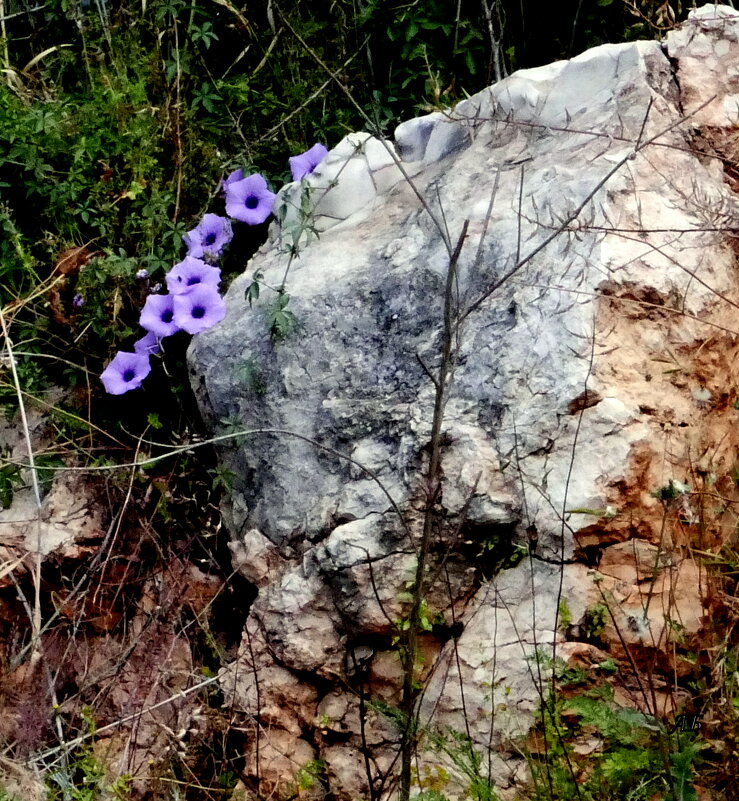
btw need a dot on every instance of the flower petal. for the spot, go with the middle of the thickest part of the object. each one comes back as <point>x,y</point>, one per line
<point>199,309</point>
<point>148,345</point>
<point>126,371</point>
<point>209,237</point>
<point>190,273</point>
<point>305,163</point>
<point>249,201</point>
<point>157,315</point>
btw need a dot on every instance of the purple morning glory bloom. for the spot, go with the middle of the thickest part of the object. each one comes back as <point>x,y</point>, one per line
<point>199,309</point>
<point>148,345</point>
<point>209,237</point>
<point>126,371</point>
<point>306,162</point>
<point>78,301</point>
<point>190,273</point>
<point>236,175</point>
<point>157,315</point>
<point>249,200</point>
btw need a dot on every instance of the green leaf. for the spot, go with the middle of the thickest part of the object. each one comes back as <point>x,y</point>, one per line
<point>280,321</point>
<point>153,420</point>
<point>251,377</point>
<point>6,491</point>
<point>252,292</point>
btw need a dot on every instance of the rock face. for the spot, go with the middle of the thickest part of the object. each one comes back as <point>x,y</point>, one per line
<point>64,523</point>
<point>590,410</point>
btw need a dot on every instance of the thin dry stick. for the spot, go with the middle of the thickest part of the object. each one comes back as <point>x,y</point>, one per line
<point>332,77</point>
<point>568,479</point>
<point>25,12</point>
<point>53,408</point>
<point>118,521</point>
<point>235,435</point>
<point>692,273</point>
<point>539,682</point>
<point>122,721</point>
<point>364,748</point>
<point>635,301</point>
<point>545,705</point>
<point>35,614</point>
<point>177,124</point>
<point>6,52</point>
<point>607,603</point>
<point>368,120</point>
<point>408,651</point>
<point>495,43</point>
<point>42,289</point>
<point>521,263</point>
<point>36,620</point>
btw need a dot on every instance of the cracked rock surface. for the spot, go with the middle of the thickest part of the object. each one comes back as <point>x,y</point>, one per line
<point>597,284</point>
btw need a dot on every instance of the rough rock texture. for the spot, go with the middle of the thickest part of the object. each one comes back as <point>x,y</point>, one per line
<point>591,405</point>
<point>68,519</point>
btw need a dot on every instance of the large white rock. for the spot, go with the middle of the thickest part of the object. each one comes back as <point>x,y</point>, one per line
<point>598,290</point>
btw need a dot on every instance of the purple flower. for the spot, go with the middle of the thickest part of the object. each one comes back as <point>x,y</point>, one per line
<point>157,315</point>
<point>199,309</point>
<point>190,273</point>
<point>210,236</point>
<point>306,162</point>
<point>78,301</point>
<point>249,200</point>
<point>148,345</point>
<point>141,274</point>
<point>236,175</point>
<point>126,371</point>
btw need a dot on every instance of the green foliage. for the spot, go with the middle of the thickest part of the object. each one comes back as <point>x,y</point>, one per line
<point>564,615</point>
<point>311,773</point>
<point>32,378</point>
<point>431,795</point>
<point>595,620</point>
<point>252,379</point>
<point>426,620</point>
<point>46,466</point>
<point>624,725</point>
<point>565,676</point>
<point>297,226</point>
<point>84,779</point>
<point>469,761</point>
<point>281,322</point>
<point>222,478</point>
<point>10,479</point>
<point>637,756</point>
<point>252,291</point>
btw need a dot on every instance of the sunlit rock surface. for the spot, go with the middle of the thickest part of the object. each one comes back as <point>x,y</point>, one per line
<point>591,399</point>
